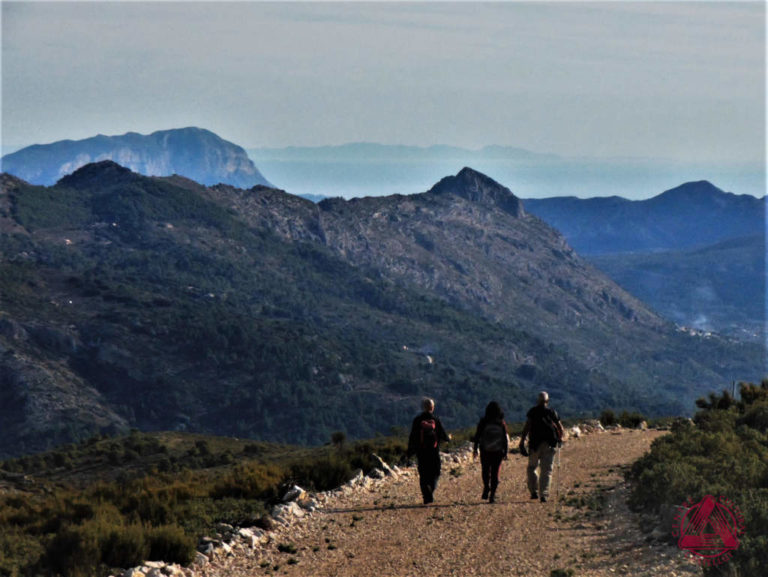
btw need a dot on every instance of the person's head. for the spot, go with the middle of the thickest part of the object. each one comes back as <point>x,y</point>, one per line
<point>543,398</point>
<point>427,404</point>
<point>493,411</point>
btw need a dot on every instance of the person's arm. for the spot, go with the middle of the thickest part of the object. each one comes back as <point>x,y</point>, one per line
<point>506,439</point>
<point>478,432</point>
<point>441,434</point>
<point>412,440</point>
<point>558,426</point>
<point>524,434</point>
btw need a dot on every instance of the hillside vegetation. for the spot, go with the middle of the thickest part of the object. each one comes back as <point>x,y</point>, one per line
<point>717,288</point>
<point>116,502</point>
<point>723,452</point>
<point>161,304</point>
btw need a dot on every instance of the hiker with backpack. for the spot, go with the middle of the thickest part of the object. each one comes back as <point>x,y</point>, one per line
<point>546,433</point>
<point>492,438</point>
<point>424,441</point>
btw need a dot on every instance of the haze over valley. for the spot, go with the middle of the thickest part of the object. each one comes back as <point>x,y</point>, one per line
<point>572,215</point>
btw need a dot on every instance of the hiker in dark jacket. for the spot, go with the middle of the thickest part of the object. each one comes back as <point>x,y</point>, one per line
<point>546,433</point>
<point>492,439</point>
<point>424,441</point>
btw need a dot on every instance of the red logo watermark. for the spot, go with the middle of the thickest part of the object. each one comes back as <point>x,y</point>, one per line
<point>709,530</point>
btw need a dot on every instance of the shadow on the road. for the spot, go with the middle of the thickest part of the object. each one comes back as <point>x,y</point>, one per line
<point>450,505</point>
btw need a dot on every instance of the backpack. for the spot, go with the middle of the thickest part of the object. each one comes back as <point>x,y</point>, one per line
<point>493,437</point>
<point>428,434</point>
<point>545,430</point>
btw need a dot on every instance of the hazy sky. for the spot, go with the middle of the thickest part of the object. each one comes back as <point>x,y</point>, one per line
<point>678,80</point>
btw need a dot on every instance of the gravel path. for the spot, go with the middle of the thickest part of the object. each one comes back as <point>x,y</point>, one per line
<point>386,532</point>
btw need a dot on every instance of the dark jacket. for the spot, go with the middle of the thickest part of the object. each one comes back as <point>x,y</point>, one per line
<point>415,438</point>
<point>492,433</point>
<point>542,420</point>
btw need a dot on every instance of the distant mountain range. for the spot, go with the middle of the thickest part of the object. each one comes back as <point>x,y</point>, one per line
<point>369,169</point>
<point>721,287</point>
<point>695,253</point>
<point>160,303</point>
<point>195,153</point>
<point>694,214</point>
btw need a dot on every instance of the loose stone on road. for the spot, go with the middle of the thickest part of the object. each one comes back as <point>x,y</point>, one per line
<point>387,532</point>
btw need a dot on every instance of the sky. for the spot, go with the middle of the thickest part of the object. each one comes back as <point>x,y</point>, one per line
<point>676,80</point>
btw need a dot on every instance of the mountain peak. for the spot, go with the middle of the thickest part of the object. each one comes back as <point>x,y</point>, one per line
<point>97,174</point>
<point>477,187</point>
<point>694,190</point>
<point>196,153</point>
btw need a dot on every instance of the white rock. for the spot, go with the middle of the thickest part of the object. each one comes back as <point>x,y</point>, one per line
<point>287,511</point>
<point>295,493</point>
<point>135,572</point>
<point>383,465</point>
<point>366,483</point>
<point>260,535</point>
<point>225,529</point>
<point>296,510</point>
<point>208,549</point>
<point>575,432</point>
<point>357,479</point>
<point>377,473</point>
<point>200,560</point>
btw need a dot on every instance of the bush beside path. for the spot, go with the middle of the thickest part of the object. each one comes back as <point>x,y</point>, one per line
<point>380,528</point>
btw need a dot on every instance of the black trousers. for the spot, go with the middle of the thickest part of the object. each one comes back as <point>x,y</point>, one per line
<point>429,472</point>
<point>490,463</point>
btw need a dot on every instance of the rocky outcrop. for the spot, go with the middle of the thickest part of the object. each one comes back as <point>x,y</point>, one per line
<point>192,152</point>
<point>477,187</point>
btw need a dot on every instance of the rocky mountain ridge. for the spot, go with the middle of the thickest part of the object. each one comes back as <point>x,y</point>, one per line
<point>691,215</point>
<point>196,153</point>
<point>256,313</point>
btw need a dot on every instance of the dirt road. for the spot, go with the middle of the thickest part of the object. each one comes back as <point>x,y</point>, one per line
<point>386,532</point>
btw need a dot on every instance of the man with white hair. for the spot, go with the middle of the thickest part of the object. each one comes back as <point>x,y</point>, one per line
<point>546,432</point>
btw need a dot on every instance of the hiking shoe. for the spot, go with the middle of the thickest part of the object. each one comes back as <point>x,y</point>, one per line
<point>492,498</point>
<point>534,495</point>
<point>485,494</point>
<point>543,499</point>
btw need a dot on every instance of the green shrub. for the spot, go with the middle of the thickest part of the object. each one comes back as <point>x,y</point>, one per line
<point>756,418</point>
<point>630,420</point>
<point>287,548</point>
<point>725,453</point>
<point>608,418</point>
<point>249,482</point>
<point>75,551</point>
<point>323,474</point>
<point>125,546</point>
<point>171,544</point>
<point>17,550</point>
